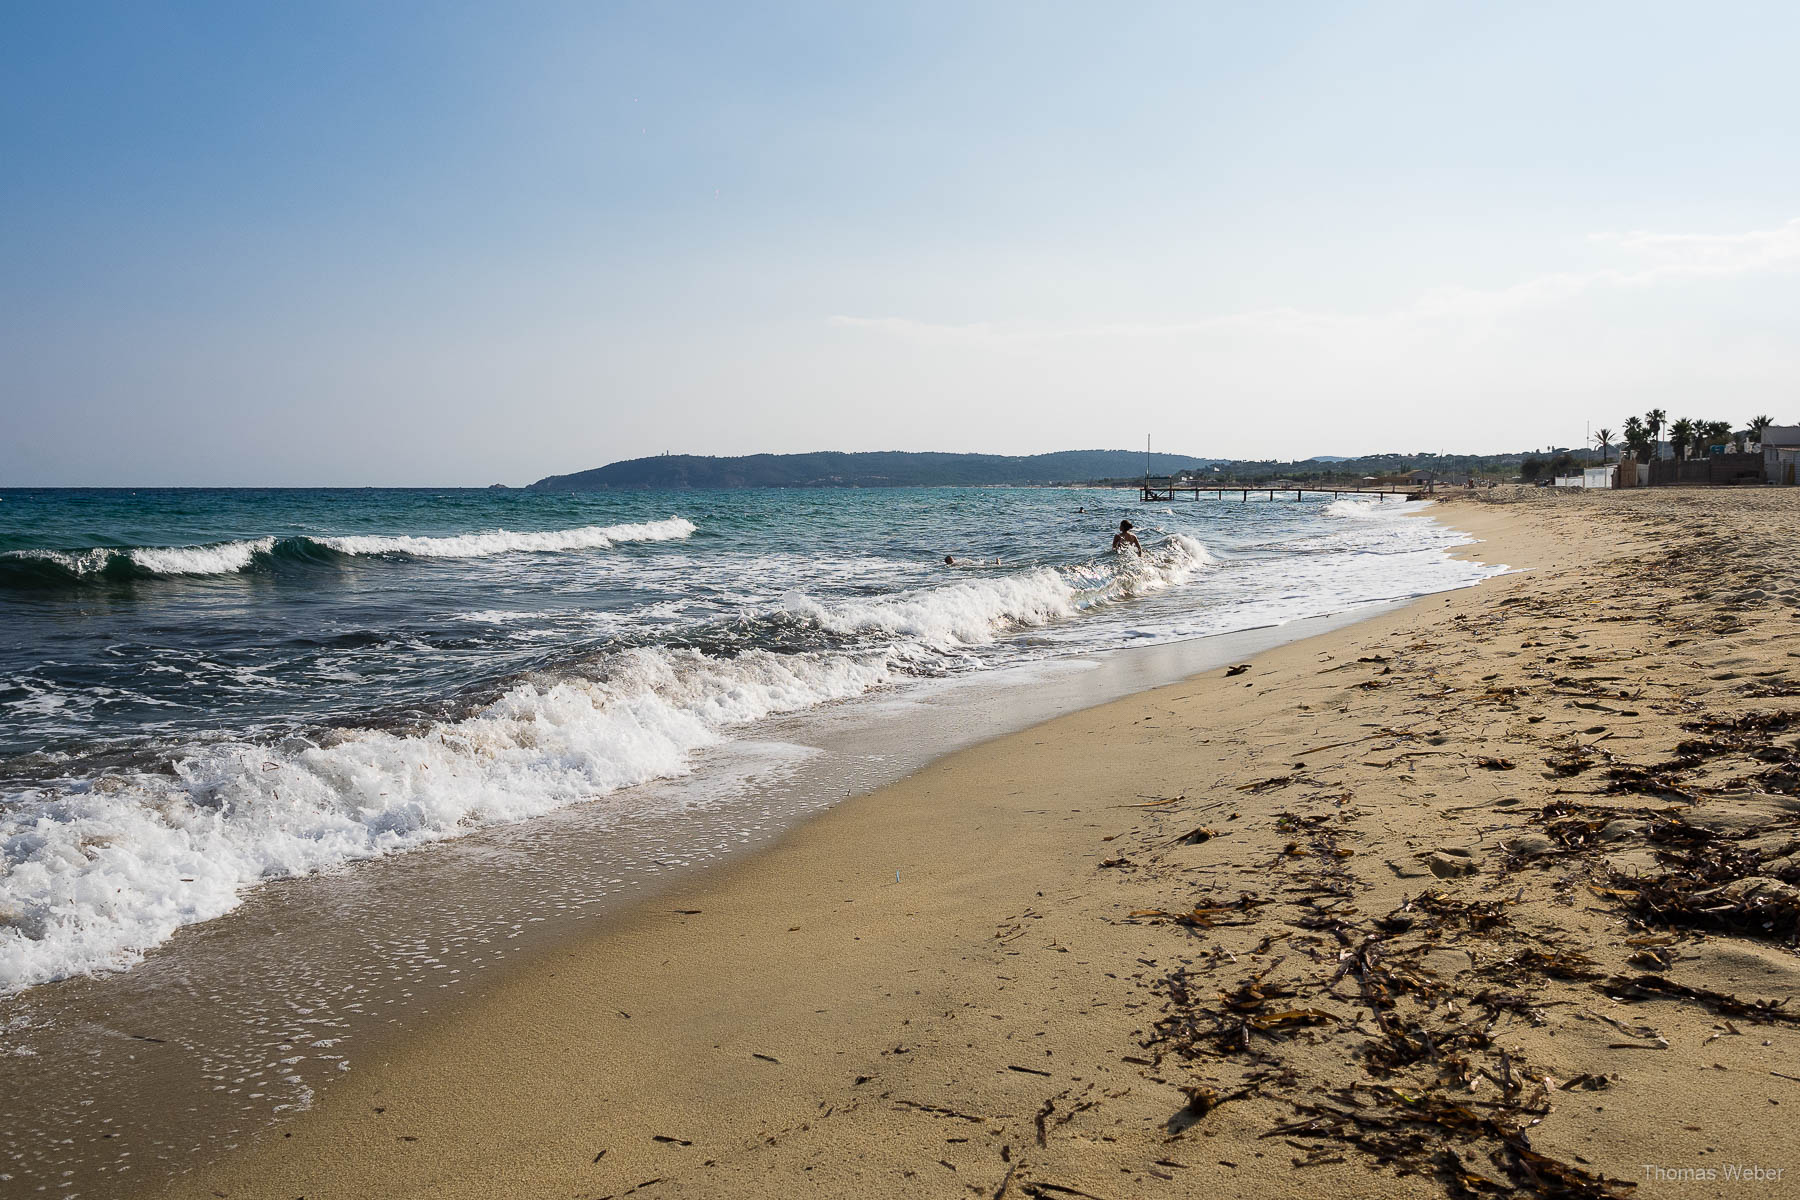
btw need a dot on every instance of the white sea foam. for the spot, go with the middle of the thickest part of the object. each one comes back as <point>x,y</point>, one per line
<point>228,558</point>
<point>91,878</point>
<point>223,558</point>
<point>977,612</point>
<point>503,541</point>
<point>217,558</point>
<point>83,562</point>
<point>1374,509</point>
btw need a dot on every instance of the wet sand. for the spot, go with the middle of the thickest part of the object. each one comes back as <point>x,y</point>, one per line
<point>1492,891</point>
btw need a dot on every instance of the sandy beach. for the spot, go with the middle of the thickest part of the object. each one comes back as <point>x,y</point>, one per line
<point>1492,892</point>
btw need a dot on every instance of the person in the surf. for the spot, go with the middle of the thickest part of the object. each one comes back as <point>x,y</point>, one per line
<point>1125,538</point>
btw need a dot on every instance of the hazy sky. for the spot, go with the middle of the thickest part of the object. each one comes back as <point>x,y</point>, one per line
<point>428,243</point>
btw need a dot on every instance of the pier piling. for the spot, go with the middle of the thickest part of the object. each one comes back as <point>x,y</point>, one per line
<point>1165,494</point>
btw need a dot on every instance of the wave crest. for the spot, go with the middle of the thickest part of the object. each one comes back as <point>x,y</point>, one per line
<point>49,568</point>
<point>91,878</point>
<point>979,611</point>
<point>502,541</point>
<point>1372,509</point>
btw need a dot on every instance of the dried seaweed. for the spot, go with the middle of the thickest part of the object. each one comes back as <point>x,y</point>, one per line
<point>1389,1050</point>
<point>1556,964</point>
<point>1645,987</point>
<point>1470,914</point>
<point>1412,1132</point>
<point>1720,889</point>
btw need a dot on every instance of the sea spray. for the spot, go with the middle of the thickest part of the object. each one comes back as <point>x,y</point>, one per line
<point>1345,507</point>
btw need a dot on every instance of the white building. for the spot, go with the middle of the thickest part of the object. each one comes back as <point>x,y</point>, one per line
<point>1781,453</point>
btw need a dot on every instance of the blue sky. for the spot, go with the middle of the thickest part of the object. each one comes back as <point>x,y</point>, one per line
<point>435,243</point>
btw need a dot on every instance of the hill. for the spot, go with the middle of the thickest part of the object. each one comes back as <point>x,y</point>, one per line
<point>870,469</point>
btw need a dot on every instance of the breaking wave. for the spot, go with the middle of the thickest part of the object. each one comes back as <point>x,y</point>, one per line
<point>977,612</point>
<point>501,541</point>
<point>92,876</point>
<point>1373,509</point>
<point>51,568</point>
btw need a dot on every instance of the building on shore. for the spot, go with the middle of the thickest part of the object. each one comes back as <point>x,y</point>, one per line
<point>1781,453</point>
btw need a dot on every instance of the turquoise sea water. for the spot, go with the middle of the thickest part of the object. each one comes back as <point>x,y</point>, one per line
<point>200,690</point>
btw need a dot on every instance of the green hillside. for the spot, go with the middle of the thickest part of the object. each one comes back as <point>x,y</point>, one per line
<point>873,469</point>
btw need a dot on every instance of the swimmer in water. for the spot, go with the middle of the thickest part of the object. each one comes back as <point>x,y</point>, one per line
<point>1125,538</point>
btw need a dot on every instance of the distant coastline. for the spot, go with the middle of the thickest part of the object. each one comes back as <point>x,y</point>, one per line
<point>868,469</point>
<point>1075,468</point>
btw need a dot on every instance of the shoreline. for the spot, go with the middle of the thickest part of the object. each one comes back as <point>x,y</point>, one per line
<point>220,1038</point>
<point>677,927</point>
<point>521,719</point>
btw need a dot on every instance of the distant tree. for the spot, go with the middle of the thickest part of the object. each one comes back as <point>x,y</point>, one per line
<point>1530,469</point>
<point>1562,464</point>
<point>1681,435</point>
<point>1656,420</point>
<point>1637,438</point>
<point>1758,424</point>
<point>1603,439</point>
<point>1706,435</point>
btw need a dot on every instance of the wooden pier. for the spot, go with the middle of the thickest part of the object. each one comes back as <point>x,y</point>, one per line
<point>1152,494</point>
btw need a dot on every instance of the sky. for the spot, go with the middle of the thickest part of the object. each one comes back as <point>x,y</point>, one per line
<point>434,243</point>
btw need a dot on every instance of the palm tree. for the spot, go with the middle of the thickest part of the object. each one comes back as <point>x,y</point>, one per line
<point>1680,434</point>
<point>1637,438</point>
<point>1719,433</point>
<point>1603,438</point>
<point>1758,424</point>
<point>1702,435</point>
<point>1655,421</point>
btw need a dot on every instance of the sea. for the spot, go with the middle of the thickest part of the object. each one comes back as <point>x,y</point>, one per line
<point>204,690</point>
<point>282,770</point>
